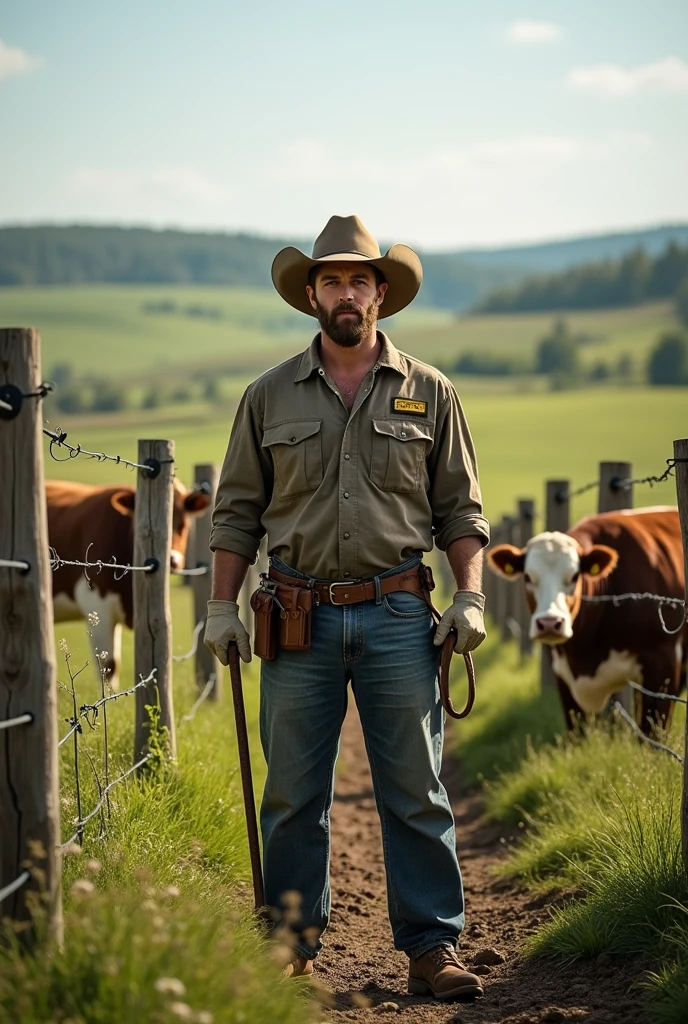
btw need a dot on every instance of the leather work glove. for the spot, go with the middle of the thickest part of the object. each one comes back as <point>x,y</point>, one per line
<point>223,626</point>
<point>466,617</point>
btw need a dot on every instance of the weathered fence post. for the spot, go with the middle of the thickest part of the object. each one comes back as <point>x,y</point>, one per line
<point>681,469</point>
<point>526,517</point>
<point>511,595</point>
<point>29,797</point>
<point>152,618</point>
<point>557,520</point>
<point>206,475</point>
<point>614,496</point>
<point>499,606</point>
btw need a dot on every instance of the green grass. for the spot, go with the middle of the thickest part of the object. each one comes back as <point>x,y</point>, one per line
<point>167,893</point>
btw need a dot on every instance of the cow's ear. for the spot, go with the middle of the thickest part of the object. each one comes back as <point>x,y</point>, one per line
<point>599,561</point>
<point>196,502</point>
<point>124,502</point>
<point>506,560</point>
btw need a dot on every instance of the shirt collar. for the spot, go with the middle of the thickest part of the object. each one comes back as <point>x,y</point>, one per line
<point>310,359</point>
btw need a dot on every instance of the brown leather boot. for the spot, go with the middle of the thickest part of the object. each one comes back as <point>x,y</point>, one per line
<point>299,967</point>
<point>440,973</point>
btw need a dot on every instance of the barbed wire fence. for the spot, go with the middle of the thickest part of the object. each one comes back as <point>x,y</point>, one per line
<point>29,743</point>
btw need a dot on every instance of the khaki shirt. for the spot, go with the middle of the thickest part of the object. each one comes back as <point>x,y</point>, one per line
<point>345,495</point>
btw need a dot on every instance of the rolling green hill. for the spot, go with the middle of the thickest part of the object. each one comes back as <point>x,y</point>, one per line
<point>52,255</point>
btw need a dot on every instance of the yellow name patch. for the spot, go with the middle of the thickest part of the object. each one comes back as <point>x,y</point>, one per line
<point>409,406</point>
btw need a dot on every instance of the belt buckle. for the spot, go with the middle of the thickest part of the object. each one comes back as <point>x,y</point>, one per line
<point>331,588</point>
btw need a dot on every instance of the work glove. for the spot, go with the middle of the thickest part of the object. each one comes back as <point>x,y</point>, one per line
<point>466,617</point>
<point>223,626</point>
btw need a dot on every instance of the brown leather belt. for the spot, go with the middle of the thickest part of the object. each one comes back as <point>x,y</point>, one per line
<point>417,580</point>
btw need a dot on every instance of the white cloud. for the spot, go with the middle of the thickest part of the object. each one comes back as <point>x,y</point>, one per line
<point>667,75</point>
<point>307,161</point>
<point>156,186</point>
<point>14,61</point>
<point>534,32</point>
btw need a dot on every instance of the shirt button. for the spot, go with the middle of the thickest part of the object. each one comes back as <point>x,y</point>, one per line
<point>403,434</point>
<point>347,457</point>
<point>346,494</point>
<point>346,536</point>
<point>292,439</point>
<point>321,372</point>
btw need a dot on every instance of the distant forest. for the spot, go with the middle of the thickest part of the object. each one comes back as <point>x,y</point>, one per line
<point>83,254</point>
<point>626,282</point>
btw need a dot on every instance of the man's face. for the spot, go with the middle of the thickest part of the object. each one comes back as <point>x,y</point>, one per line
<point>346,299</point>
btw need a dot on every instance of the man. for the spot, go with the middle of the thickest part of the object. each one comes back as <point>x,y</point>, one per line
<point>355,458</point>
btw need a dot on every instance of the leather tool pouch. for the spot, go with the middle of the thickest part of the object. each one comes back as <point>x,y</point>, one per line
<point>295,617</point>
<point>283,617</point>
<point>265,616</point>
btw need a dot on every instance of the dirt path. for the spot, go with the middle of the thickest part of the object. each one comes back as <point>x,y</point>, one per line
<point>361,969</point>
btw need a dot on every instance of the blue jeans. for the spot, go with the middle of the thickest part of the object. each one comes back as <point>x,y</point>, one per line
<point>385,649</point>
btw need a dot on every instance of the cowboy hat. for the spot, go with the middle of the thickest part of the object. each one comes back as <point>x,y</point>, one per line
<point>344,240</point>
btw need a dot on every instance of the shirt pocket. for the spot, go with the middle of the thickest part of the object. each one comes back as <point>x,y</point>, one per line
<point>398,455</point>
<point>296,449</point>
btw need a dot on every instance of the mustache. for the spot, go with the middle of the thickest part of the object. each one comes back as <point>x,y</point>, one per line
<point>348,307</point>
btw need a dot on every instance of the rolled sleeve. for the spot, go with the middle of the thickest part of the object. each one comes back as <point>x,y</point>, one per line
<point>245,486</point>
<point>455,497</point>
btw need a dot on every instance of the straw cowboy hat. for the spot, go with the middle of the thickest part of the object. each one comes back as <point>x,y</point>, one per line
<point>345,239</point>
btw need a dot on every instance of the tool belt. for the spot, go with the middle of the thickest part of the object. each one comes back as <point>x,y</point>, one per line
<point>283,609</point>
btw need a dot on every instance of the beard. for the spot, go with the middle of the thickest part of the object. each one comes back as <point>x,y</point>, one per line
<point>349,332</point>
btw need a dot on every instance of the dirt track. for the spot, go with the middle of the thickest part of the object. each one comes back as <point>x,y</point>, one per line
<point>361,969</point>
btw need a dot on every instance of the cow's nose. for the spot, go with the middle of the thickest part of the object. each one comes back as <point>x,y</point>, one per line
<point>549,624</point>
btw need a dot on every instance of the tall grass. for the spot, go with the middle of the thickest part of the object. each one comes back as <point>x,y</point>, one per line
<point>158,922</point>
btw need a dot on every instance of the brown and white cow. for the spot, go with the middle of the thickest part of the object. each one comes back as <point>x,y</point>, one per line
<point>597,647</point>
<point>96,523</point>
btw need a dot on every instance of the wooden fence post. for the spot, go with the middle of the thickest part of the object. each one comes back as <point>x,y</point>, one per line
<point>511,594</point>
<point>613,498</point>
<point>500,591</point>
<point>152,617</point>
<point>526,517</point>
<point>681,470</point>
<point>29,796</point>
<point>557,520</point>
<point>206,475</point>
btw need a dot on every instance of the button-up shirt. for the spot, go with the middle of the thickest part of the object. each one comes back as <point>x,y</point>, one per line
<point>345,494</point>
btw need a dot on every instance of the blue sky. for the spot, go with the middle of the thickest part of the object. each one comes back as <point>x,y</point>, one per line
<point>441,124</point>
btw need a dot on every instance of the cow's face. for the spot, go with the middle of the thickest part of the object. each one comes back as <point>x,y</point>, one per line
<point>186,505</point>
<point>552,566</point>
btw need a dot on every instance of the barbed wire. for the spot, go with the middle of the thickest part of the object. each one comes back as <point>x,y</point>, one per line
<point>563,496</point>
<point>200,570</point>
<point>207,690</point>
<point>83,821</point>
<point>651,693</point>
<point>622,483</point>
<point>616,599</point>
<point>641,735</point>
<point>58,439</point>
<point>57,563</point>
<point>16,884</point>
<point>92,709</point>
<point>194,643</point>
<point>9,723</point>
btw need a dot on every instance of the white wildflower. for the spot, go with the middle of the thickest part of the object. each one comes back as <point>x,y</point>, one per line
<point>170,987</point>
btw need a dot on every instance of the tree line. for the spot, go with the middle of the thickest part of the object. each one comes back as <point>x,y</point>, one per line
<point>634,279</point>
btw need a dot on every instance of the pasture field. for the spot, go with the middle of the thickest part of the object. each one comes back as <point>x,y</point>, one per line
<point>521,440</point>
<point>150,333</point>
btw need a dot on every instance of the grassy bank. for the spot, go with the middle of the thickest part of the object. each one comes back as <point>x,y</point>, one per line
<point>601,817</point>
<point>158,922</point>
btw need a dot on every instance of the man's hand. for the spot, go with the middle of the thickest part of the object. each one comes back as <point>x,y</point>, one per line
<point>223,626</point>
<point>466,617</point>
